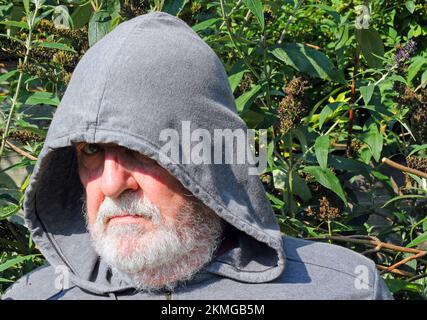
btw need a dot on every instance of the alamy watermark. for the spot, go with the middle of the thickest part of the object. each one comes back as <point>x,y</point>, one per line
<point>361,282</point>
<point>62,277</point>
<point>364,15</point>
<point>217,146</point>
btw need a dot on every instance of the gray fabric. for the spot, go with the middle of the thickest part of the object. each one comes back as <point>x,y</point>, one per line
<point>151,73</point>
<point>316,271</point>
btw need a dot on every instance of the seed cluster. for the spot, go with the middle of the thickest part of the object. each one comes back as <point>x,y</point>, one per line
<point>293,107</point>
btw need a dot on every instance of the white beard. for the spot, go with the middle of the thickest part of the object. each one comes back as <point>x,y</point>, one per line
<point>171,252</point>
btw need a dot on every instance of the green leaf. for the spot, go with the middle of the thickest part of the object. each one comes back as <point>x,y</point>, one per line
<point>8,210</point>
<point>205,24</point>
<point>18,24</point>
<point>113,8</point>
<point>61,17</point>
<point>300,188</point>
<point>342,37</point>
<point>41,16</point>
<point>99,26</point>
<point>55,45</point>
<point>8,198</point>
<point>417,149</point>
<point>327,179</point>
<point>424,79</point>
<point>396,285</point>
<point>7,75</point>
<point>174,7</point>
<point>26,6</point>
<point>371,46</point>
<point>243,102</point>
<point>10,263</point>
<point>418,240</point>
<point>300,134</point>
<point>328,9</point>
<point>327,111</point>
<point>25,183</point>
<point>374,139</point>
<point>351,165</point>
<point>407,196</point>
<point>415,67</point>
<point>308,60</point>
<point>322,149</point>
<point>410,5</point>
<point>236,74</point>
<point>384,179</point>
<point>257,9</point>
<point>367,92</point>
<point>277,203</point>
<point>43,98</point>
<point>81,15</point>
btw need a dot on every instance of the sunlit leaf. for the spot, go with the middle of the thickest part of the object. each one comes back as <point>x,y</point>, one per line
<point>257,9</point>
<point>327,179</point>
<point>308,60</point>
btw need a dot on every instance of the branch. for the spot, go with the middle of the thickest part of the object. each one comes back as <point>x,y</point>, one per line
<point>404,168</point>
<point>20,151</point>
<point>415,256</point>
<point>397,272</point>
<point>369,241</point>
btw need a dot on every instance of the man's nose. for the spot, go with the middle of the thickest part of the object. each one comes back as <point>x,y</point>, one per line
<point>116,176</point>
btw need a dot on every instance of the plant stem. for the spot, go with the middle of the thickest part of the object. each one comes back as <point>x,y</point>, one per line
<point>18,86</point>
<point>290,177</point>
<point>267,76</point>
<point>229,32</point>
<point>360,97</point>
<point>231,12</point>
<point>353,98</point>
<point>282,36</point>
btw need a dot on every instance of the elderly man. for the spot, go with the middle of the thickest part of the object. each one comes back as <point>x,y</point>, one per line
<point>118,217</point>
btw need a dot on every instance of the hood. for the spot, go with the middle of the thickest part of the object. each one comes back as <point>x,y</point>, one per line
<point>150,73</point>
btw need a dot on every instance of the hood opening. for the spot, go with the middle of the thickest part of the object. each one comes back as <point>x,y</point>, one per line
<point>131,109</point>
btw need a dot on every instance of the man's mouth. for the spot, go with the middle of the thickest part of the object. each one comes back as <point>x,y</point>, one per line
<point>125,218</point>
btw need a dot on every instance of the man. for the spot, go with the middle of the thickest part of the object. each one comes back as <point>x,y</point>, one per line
<point>118,217</point>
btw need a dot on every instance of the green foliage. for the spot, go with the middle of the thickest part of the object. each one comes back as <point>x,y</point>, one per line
<point>337,90</point>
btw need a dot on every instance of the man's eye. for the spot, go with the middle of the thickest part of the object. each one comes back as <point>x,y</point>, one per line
<point>91,149</point>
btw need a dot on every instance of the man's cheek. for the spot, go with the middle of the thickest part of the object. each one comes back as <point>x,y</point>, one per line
<point>94,202</point>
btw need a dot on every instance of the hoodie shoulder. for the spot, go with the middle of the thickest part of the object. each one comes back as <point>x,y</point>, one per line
<point>343,273</point>
<point>39,284</point>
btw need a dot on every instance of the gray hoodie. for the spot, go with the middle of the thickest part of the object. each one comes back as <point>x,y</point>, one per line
<point>152,73</point>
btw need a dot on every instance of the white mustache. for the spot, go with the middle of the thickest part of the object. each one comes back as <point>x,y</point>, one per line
<point>128,204</point>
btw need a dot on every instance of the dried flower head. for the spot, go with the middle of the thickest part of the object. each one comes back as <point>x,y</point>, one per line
<point>325,212</point>
<point>355,146</point>
<point>23,136</point>
<point>417,163</point>
<point>133,8</point>
<point>293,107</point>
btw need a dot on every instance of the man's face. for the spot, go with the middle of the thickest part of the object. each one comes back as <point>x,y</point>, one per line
<point>141,219</point>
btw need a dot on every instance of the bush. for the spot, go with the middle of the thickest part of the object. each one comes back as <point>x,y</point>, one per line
<point>341,87</point>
